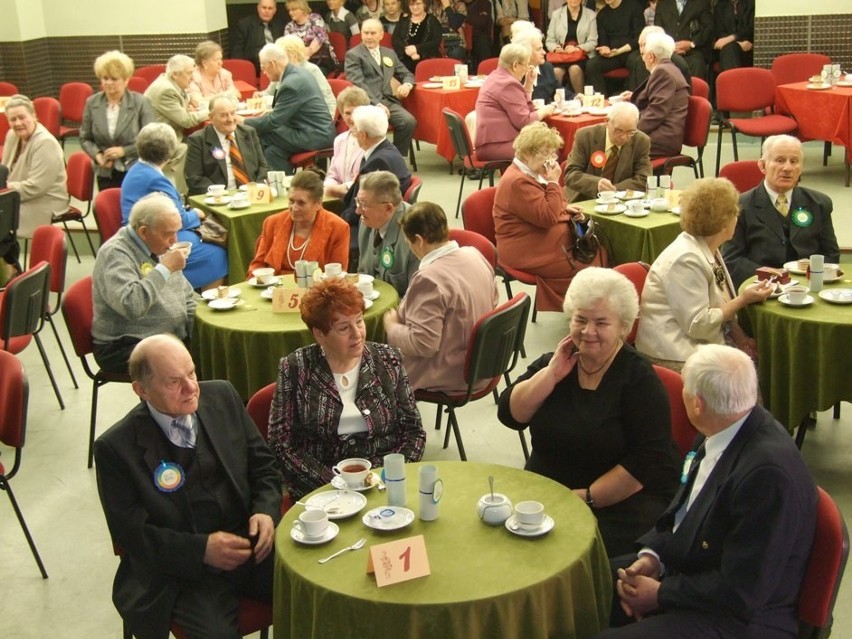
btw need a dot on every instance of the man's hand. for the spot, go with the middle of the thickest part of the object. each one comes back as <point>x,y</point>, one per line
<point>226,551</point>
<point>745,45</point>
<point>174,261</point>
<point>336,190</point>
<point>638,593</point>
<point>402,92</point>
<point>262,530</point>
<point>722,42</point>
<point>683,46</point>
<point>605,185</point>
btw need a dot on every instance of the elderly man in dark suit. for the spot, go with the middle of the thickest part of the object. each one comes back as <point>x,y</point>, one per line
<point>780,221</point>
<point>254,32</point>
<point>191,495</point>
<point>609,157</point>
<point>690,24</point>
<point>299,120</point>
<point>223,152</point>
<point>727,558</point>
<point>377,70</point>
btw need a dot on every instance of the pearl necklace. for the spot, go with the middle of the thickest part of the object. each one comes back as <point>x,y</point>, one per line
<point>602,366</point>
<point>296,249</point>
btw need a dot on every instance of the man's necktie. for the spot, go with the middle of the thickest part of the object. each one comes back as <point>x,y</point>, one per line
<point>377,240</point>
<point>182,433</point>
<point>377,56</point>
<point>237,164</point>
<point>154,258</point>
<point>611,162</point>
<point>680,6</point>
<point>782,204</point>
<point>267,34</point>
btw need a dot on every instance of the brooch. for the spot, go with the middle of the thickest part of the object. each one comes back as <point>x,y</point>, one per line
<point>387,61</point>
<point>146,268</point>
<point>598,159</point>
<point>802,217</point>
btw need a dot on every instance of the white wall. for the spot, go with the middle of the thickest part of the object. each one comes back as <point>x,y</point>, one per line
<point>21,20</point>
<point>764,8</point>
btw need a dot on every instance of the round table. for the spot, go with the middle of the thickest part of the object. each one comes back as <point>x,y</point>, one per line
<point>485,582</point>
<point>244,345</point>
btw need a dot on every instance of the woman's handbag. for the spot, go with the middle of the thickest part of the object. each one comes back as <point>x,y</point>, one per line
<point>212,232</point>
<point>587,247</point>
<point>562,57</point>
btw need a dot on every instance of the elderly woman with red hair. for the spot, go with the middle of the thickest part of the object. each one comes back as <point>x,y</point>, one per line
<point>341,397</point>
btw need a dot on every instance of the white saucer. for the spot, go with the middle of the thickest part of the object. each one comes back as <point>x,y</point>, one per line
<point>340,483</point>
<point>433,85</point>
<point>216,201</point>
<point>225,304</point>
<point>643,213</point>
<point>252,281</point>
<point>546,526</point>
<point>388,518</point>
<point>606,210</point>
<point>779,289</point>
<point>367,303</point>
<point>819,87</point>
<point>212,293</point>
<point>843,83</point>
<point>676,210</point>
<point>330,533</point>
<point>231,205</point>
<point>613,201</point>
<point>473,85</point>
<point>786,301</point>
<point>372,296</point>
<point>793,267</point>
<point>339,504</point>
<point>629,195</point>
<point>599,110</point>
<point>837,295</point>
<point>267,293</point>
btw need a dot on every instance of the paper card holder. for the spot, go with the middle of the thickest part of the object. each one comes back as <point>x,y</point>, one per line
<point>398,561</point>
<point>451,83</point>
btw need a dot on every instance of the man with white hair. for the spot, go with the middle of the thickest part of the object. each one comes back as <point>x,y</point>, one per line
<point>636,66</point>
<point>728,556</point>
<point>663,99</point>
<point>609,157</point>
<point>173,105</point>
<point>546,81</point>
<point>299,120</point>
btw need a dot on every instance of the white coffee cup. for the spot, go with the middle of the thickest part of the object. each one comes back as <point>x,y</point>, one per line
<point>636,207</point>
<point>312,523</point>
<point>529,514</point>
<point>240,199</point>
<point>829,272</point>
<point>796,294</point>
<point>333,269</point>
<point>659,204</point>
<point>365,285</point>
<point>216,190</point>
<point>186,247</point>
<point>606,196</point>
<point>264,275</point>
<point>588,90</point>
<point>538,103</point>
<point>353,471</point>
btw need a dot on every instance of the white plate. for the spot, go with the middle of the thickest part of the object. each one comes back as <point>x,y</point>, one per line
<point>367,304</point>
<point>779,289</point>
<point>793,267</point>
<point>642,213</point>
<point>433,85</point>
<point>329,534</point>
<point>212,293</point>
<point>837,295</point>
<point>843,83</point>
<point>223,304</point>
<point>606,210</point>
<point>252,281</point>
<point>599,110</point>
<point>473,85</point>
<point>819,87</point>
<point>340,483</point>
<point>613,201</point>
<point>546,526</point>
<point>629,195</point>
<point>216,201</point>
<point>372,296</point>
<point>267,293</point>
<point>786,302</point>
<point>676,210</point>
<point>339,504</point>
<point>234,205</point>
<point>388,518</point>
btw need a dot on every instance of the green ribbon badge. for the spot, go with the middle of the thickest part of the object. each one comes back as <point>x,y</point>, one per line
<point>386,259</point>
<point>803,217</point>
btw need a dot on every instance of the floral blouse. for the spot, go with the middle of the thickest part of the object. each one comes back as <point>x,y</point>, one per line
<point>313,29</point>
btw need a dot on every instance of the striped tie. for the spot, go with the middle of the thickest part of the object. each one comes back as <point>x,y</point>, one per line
<point>611,162</point>
<point>782,204</point>
<point>237,164</point>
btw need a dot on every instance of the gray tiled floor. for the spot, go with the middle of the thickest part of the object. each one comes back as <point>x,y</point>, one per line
<point>59,497</point>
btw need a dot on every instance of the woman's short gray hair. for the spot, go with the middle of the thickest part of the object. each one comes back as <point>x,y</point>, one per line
<point>19,100</point>
<point>149,209</point>
<point>372,120</point>
<point>527,37</point>
<point>206,49</point>
<point>593,285</point>
<point>724,377</point>
<point>512,53</point>
<point>156,143</point>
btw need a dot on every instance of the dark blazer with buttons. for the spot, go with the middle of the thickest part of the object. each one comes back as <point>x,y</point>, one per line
<point>695,23</point>
<point>247,38</point>
<point>385,157</point>
<point>202,169</point>
<point>742,548</point>
<point>154,529</point>
<point>134,112</point>
<point>759,236</point>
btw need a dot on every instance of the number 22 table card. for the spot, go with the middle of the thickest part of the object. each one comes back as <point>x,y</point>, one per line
<point>398,561</point>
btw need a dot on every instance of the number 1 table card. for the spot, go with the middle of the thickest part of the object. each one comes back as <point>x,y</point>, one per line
<point>398,561</point>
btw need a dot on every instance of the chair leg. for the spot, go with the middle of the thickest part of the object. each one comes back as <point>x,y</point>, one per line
<point>125,631</point>
<point>837,411</point>
<point>411,157</point>
<point>50,321</point>
<point>801,432</point>
<point>826,152</point>
<point>93,420</point>
<point>734,141</point>
<point>88,237</point>
<point>496,396</point>
<point>524,445</point>
<point>4,485</point>
<point>71,239</point>
<point>438,416</point>
<point>455,427</point>
<point>719,151</point>
<point>461,190</point>
<point>49,370</point>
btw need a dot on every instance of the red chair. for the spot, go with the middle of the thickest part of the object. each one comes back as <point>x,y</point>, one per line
<point>413,191</point>
<point>487,66</point>
<point>137,84</point>
<point>636,272</point>
<point>14,395</point>
<point>797,67</point>
<point>81,186</point>
<point>337,85</point>
<point>464,237</point>
<point>10,215</point>
<point>338,44</point>
<point>108,213</point>
<point>49,113</point>
<point>72,100</point>
<point>745,174</point>
<point>698,116</point>
<point>151,72</point>
<point>258,409</point>
<point>463,146</point>
<point>8,89</point>
<point>700,88</point>
<point>746,90</point>
<point>824,571</point>
<point>78,311</point>
<point>683,432</point>
<point>242,70</point>
<point>425,69</point>
<point>492,352</point>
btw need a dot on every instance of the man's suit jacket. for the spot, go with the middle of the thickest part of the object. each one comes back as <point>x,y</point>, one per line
<point>385,157</point>
<point>742,548</point>
<point>759,237</point>
<point>155,529</point>
<point>203,169</point>
<point>631,172</point>
<point>663,102</point>
<point>741,24</point>
<point>405,262</point>
<point>134,112</point>
<point>695,23</point>
<point>247,37</point>
<point>362,71</point>
<point>170,103</point>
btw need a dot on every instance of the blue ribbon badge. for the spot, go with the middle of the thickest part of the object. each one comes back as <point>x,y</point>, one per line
<point>169,476</point>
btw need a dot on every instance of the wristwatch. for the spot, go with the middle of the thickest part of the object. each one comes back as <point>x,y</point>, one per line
<point>589,500</point>
<point>691,45</point>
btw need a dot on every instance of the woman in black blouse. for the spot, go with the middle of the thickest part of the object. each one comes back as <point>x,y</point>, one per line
<point>417,36</point>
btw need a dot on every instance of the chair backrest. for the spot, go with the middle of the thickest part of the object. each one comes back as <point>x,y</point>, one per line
<point>7,89</point>
<point>487,66</point>
<point>24,302</point>
<point>413,190</point>
<point>338,44</point>
<point>478,213</point>
<point>683,432</point>
<point>825,568</point>
<point>258,408</point>
<point>72,100</point>
<point>242,70</point>
<point>49,245</point>
<point>337,85</point>
<point>151,72</point>
<point>10,216</point>
<point>458,134</point>
<point>636,272</point>
<point>496,342</point>
<point>81,176</point>
<point>700,88</point>
<point>137,83</point>
<point>108,213</point>
<point>745,174</point>
<point>78,311</point>
<point>745,89</point>
<point>698,116</point>
<point>482,244</point>
<point>49,113</point>
<point>797,67</point>
<point>14,393</point>
<point>425,69</point>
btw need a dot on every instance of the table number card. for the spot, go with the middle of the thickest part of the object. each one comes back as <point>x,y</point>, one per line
<point>259,193</point>
<point>287,297</point>
<point>398,561</point>
<point>451,83</point>
<point>593,101</point>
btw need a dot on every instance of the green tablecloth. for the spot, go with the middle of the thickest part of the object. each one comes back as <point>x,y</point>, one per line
<point>630,239</point>
<point>804,354</point>
<point>485,582</point>
<point>244,345</point>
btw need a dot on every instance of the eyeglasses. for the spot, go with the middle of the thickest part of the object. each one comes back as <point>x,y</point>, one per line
<point>362,205</point>
<point>628,132</point>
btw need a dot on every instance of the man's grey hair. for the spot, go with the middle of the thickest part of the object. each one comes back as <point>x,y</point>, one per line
<point>624,110</point>
<point>527,37</point>
<point>156,142</point>
<point>149,210</point>
<point>643,35</point>
<point>724,377</point>
<point>661,45</point>
<point>273,52</point>
<point>178,63</point>
<point>372,120</point>
<point>774,140</point>
<point>220,98</point>
<point>384,186</point>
